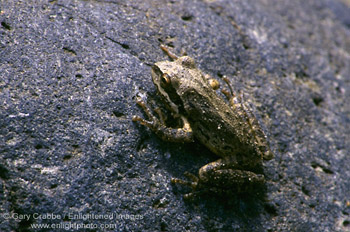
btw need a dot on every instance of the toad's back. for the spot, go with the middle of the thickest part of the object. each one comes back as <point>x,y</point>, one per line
<point>225,131</point>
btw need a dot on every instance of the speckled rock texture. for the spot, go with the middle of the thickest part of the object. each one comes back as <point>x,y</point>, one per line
<point>70,72</point>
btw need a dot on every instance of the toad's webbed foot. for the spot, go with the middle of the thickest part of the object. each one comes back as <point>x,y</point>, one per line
<point>183,134</point>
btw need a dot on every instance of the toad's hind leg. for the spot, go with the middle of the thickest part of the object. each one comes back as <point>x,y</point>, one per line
<point>221,176</point>
<point>225,173</point>
<point>193,183</point>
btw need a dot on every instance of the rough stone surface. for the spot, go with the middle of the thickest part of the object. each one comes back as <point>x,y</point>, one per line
<point>69,75</point>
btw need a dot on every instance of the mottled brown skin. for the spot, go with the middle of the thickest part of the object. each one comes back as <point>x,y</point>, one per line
<point>229,130</point>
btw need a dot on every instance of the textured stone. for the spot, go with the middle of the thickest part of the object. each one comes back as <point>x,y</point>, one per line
<point>69,74</point>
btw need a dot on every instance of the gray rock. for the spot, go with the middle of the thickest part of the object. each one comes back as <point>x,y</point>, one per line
<point>69,75</point>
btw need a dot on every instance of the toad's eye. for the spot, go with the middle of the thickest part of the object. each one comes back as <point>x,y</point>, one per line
<point>165,79</point>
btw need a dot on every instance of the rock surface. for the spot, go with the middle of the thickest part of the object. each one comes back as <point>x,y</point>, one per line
<point>69,75</point>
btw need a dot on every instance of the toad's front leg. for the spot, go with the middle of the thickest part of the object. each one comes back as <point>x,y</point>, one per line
<point>221,177</point>
<point>183,134</point>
